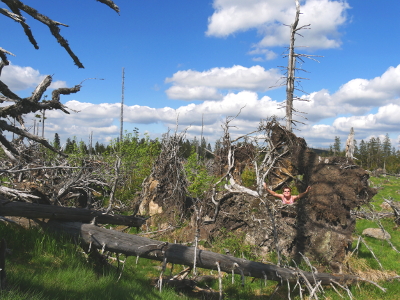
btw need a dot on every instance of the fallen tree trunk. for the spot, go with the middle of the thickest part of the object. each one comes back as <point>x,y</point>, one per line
<point>31,210</point>
<point>133,245</point>
<point>371,215</point>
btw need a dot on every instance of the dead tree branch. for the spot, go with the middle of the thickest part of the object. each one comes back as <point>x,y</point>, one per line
<point>17,7</point>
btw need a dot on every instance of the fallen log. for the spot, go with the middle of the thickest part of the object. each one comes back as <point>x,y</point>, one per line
<point>32,210</point>
<point>371,215</point>
<point>133,245</point>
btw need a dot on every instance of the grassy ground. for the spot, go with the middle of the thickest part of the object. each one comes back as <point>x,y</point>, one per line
<point>366,264</point>
<point>42,267</point>
<point>45,267</point>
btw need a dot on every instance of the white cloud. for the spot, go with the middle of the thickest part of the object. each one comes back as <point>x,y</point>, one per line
<point>103,119</point>
<point>234,15</point>
<point>357,97</point>
<point>320,135</point>
<point>268,17</point>
<point>190,93</point>
<point>195,85</point>
<point>21,78</point>
<point>374,92</point>
<point>385,119</point>
<point>266,54</point>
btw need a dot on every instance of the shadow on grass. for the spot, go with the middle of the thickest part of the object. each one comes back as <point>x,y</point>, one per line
<point>109,290</point>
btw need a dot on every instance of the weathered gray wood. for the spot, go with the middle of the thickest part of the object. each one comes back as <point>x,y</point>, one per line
<point>133,245</point>
<point>30,210</point>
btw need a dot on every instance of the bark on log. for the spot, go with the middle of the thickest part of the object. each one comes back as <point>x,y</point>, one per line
<point>133,245</point>
<point>32,210</point>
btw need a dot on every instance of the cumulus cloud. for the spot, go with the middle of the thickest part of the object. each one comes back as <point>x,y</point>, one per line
<point>21,78</point>
<point>357,97</point>
<point>231,15</point>
<point>103,119</point>
<point>373,92</point>
<point>385,119</point>
<point>189,93</point>
<point>268,17</point>
<point>195,85</point>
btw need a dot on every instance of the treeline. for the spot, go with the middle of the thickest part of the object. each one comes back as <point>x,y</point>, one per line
<point>372,154</point>
<point>187,147</point>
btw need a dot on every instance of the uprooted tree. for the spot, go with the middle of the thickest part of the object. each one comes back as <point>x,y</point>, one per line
<point>320,226</point>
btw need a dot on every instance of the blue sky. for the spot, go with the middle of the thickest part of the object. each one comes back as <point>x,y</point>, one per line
<point>201,61</point>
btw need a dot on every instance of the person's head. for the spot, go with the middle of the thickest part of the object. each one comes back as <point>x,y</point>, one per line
<point>287,191</point>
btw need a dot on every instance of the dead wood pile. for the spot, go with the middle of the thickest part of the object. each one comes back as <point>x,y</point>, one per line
<point>49,186</point>
<point>319,226</point>
<point>164,192</point>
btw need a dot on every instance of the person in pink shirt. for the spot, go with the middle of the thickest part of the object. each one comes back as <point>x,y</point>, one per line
<point>286,197</point>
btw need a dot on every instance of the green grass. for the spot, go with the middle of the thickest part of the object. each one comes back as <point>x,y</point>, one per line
<point>388,188</point>
<point>46,267</point>
<point>42,266</point>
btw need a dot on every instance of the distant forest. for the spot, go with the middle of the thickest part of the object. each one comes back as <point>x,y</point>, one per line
<point>370,155</point>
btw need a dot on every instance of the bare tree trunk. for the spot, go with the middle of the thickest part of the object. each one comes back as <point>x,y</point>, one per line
<point>133,245</point>
<point>121,132</point>
<point>291,71</point>
<point>350,144</point>
<point>30,210</point>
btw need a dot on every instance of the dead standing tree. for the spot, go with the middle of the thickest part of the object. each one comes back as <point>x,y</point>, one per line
<point>292,81</point>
